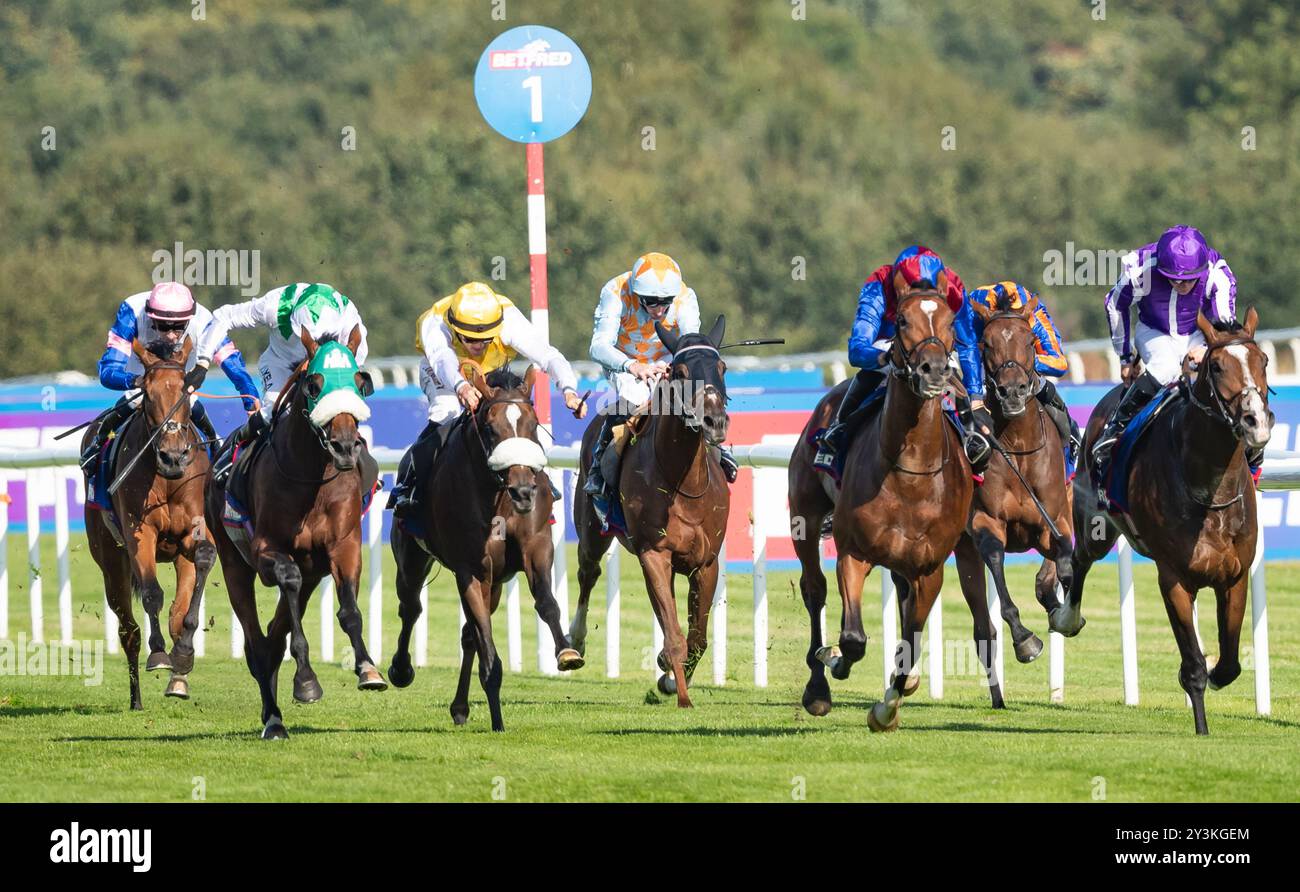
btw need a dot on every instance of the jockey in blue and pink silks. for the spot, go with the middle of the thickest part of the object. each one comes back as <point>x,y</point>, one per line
<point>1170,281</point>
<point>916,269</point>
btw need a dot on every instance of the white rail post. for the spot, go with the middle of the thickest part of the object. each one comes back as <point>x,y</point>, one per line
<point>888,626</point>
<point>110,628</point>
<point>656,642</point>
<point>760,602</point>
<point>613,607</point>
<point>936,648</point>
<point>422,627</point>
<point>1196,624</point>
<point>327,619</point>
<point>200,634</point>
<point>995,624</point>
<point>61,551</point>
<point>1128,622</point>
<point>4,556</point>
<point>1056,659</point>
<point>560,564</point>
<point>237,634</point>
<point>719,630</point>
<point>1259,629</point>
<point>514,628</point>
<point>376,620</point>
<point>34,557</point>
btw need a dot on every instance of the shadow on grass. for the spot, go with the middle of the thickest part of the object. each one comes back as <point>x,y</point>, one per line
<point>254,734</point>
<point>20,712</point>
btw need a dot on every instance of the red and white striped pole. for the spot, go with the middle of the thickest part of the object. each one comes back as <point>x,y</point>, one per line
<point>537,269</point>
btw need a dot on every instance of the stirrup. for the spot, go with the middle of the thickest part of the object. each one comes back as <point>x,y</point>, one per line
<point>730,469</point>
<point>977,449</point>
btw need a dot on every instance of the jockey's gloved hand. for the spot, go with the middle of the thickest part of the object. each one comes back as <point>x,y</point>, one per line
<point>194,377</point>
<point>983,420</point>
<point>256,423</point>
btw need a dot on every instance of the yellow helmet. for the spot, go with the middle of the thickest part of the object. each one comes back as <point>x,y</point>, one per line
<point>476,311</point>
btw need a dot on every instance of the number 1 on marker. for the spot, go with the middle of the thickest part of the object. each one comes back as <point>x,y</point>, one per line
<point>534,83</point>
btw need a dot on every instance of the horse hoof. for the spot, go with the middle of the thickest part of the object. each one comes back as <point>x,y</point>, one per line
<point>883,716</point>
<point>911,684</point>
<point>158,660</point>
<point>460,715</point>
<point>274,730</point>
<point>369,679</point>
<point>569,659</point>
<point>178,687</point>
<point>1028,650</point>
<point>308,691</point>
<point>817,702</point>
<point>1065,624</point>
<point>666,684</point>
<point>401,674</point>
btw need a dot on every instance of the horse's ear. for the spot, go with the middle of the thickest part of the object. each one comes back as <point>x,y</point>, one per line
<point>1030,307</point>
<point>147,359</point>
<point>365,384</point>
<point>718,330</point>
<point>186,347</point>
<point>354,339</point>
<point>1206,328</point>
<point>480,383</point>
<point>309,342</point>
<point>530,377</point>
<point>668,339</point>
<point>982,310</point>
<point>1252,320</point>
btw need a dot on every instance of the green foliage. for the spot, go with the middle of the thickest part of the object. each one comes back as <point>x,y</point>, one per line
<point>774,139</point>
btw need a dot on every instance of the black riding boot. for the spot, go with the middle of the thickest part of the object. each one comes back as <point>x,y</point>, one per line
<point>1139,393</point>
<point>249,431</point>
<point>975,443</point>
<point>1050,398</point>
<point>111,421</point>
<point>595,485</point>
<point>199,415</point>
<point>832,439</point>
<point>415,468</point>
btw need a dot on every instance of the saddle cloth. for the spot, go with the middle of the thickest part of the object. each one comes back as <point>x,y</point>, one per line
<point>1116,476</point>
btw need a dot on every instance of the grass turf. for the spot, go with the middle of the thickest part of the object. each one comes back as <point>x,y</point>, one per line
<point>588,737</point>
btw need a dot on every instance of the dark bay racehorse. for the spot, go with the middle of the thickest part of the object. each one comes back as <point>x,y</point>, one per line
<point>902,504</point>
<point>160,507</point>
<point>485,516</point>
<point>1003,516</point>
<point>304,495</point>
<point>1191,501</point>
<point>675,502</point>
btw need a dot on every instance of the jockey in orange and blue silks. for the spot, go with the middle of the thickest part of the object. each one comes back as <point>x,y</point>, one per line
<point>916,268</point>
<point>1049,355</point>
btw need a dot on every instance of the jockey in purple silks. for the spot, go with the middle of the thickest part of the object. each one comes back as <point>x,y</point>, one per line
<point>1170,282</point>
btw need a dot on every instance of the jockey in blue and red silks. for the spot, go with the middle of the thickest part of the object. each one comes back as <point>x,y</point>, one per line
<point>916,269</point>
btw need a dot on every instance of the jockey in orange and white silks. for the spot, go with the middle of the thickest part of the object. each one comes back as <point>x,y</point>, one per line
<point>626,345</point>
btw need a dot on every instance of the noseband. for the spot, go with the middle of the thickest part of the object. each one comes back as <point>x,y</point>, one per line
<point>170,426</point>
<point>692,421</point>
<point>903,365</point>
<point>994,373</point>
<point>484,406</point>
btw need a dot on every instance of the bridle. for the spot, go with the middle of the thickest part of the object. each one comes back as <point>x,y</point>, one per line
<point>992,372</point>
<point>169,425</point>
<point>903,363</point>
<point>484,405</point>
<point>689,417</point>
<point>1218,409</point>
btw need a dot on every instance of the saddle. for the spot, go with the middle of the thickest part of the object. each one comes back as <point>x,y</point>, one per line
<point>621,437</point>
<point>1115,476</point>
<point>97,484</point>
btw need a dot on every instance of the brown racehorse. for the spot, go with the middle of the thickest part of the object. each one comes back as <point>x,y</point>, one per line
<point>675,502</point>
<point>1191,501</point>
<point>160,507</point>
<point>304,497</point>
<point>1003,516</point>
<point>903,500</point>
<point>486,512</point>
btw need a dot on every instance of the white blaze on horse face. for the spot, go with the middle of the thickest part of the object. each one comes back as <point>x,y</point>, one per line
<point>1253,401</point>
<point>513,414</point>
<point>929,306</point>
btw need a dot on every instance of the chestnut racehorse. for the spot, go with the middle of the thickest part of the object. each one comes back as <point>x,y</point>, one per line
<point>1191,501</point>
<point>903,500</point>
<point>1003,515</point>
<point>485,516</point>
<point>160,508</point>
<point>675,502</point>
<point>304,497</point>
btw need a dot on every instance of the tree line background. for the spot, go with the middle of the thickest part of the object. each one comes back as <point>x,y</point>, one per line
<point>775,139</point>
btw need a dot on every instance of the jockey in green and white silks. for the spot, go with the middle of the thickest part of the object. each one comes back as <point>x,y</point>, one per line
<point>321,310</point>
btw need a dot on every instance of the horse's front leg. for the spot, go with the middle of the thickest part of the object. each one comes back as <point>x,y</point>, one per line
<point>916,609</point>
<point>1192,674</point>
<point>278,570</point>
<point>700,587</point>
<point>657,569</point>
<point>413,565</point>
<point>475,597</point>
<point>990,539</point>
<point>345,565</point>
<point>143,550</point>
<point>850,575</point>
<point>974,589</point>
<point>539,554</point>
<point>1231,601</point>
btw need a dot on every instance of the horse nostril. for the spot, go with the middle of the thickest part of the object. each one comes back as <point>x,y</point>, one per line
<point>924,368</point>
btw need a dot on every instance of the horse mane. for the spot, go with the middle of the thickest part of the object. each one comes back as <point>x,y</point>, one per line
<point>504,378</point>
<point>1004,303</point>
<point>1227,326</point>
<point>162,349</point>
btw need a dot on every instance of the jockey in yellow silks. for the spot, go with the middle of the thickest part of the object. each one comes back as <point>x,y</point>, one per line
<point>475,325</point>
